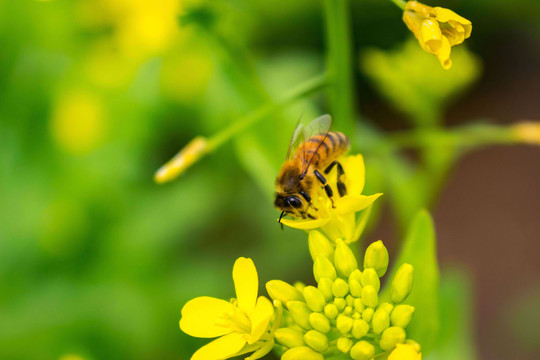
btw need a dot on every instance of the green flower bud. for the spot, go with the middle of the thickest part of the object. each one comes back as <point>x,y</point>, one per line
<point>360,328</point>
<point>300,313</point>
<point>402,283</point>
<point>344,324</point>
<point>289,337</point>
<point>314,298</point>
<point>340,303</point>
<point>325,285</point>
<point>319,322</point>
<point>362,350</point>
<point>316,340</point>
<point>376,257</point>
<point>380,321</point>
<point>386,307</point>
<point>402,315</point>
<point>355,288</point>
<point>344,344</point>
<point>344,259</point>
<point>320,245</point>
<point>322,267</point>
<point>369,296</point>
<point>340,288</point>
<point>301,353</point>
<point>370,278</point>
<point>368,314</point>
<point>331,311</point>
<point>280,290</point>
<point>391,337</point>
<point>359,305</point>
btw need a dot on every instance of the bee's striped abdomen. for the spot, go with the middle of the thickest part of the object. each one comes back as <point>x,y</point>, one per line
<point>320,150</point>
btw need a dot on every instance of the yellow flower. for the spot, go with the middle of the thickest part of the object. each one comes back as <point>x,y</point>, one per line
<point>241,324</point>
<point>437,29</point>
<point>405,352</point>
<point>340,222</point>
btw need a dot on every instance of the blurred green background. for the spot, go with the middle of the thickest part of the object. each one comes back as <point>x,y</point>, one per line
<point>97,260</point>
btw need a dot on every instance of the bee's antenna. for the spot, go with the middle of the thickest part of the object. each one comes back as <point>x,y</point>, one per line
<point>279,221</point>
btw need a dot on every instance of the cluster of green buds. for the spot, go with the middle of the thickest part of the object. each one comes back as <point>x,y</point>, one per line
<point>344,314</point>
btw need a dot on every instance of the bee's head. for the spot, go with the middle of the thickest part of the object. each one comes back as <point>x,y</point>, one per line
<point>287,203</point>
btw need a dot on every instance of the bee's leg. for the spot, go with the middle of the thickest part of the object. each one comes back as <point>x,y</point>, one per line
<point>327,187</point>
<point>342,189</point>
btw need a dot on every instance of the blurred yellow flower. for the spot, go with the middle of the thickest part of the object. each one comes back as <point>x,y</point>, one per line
<point>527,132</point>
<point>241,324</point>
<point>340,222</point>
<point>405,352</point>
<point>437,29</point>
<point>78,122</point>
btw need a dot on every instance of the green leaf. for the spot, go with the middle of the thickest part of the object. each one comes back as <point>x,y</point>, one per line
<point>456,340</point>
<point>419,250</point>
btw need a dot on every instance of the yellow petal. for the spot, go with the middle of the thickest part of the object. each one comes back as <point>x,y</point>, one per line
<point>430,36</point>
<point>260,318</point>
<point>405,352</point>
<point>246,283</point>
<point>355,173</point>
<point>445,15</point>
<point>444,54</point>
<point>354,203</point>
<point>223,348</point>
<point>305,224</point>
<point>201,317</point>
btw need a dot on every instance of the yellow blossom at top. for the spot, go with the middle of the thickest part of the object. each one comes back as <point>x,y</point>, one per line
<point>437,29</point>
<point>405,352</point>
<point>242,324</point>
<point>340,222</point>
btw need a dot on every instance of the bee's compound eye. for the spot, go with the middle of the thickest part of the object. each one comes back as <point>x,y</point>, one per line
<point>294,201</point>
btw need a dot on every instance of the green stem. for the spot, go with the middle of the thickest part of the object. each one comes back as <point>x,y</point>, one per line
<point>263,111</point>
<point>339,63</point>
<point>400,3</point>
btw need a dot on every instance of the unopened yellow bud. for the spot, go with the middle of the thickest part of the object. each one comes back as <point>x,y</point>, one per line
<point>402,315</point>
<point>391,337</point>
<point>362,350</point>
<point>340,288</point>
<point>369,296</point>
<point>344,324</point>
<point>359,305</point>
<point>331,311</point>
<point>314,298</point>
<point>325,286</point>
<point>181,161</point>
<point>402,283</point>
<point>370,277</point>
<point>299,286</point>
<point>356,275</point>
<point>368,314</point>
<point>316,340</point>
<point>355,288</point>
<point>380,321</point>
<point>300,313</point>
<point>360,328</point>
<point>320,245</point>
<point>348,310</point>
<point>405,352</point>
<point>376,257</point>
<point>301,353</point>
<point>386,307</point>
<point>289,337</point>
<point>319,322</point>
<point>323,268</point>
<point>344,344</point>
<point>416,346</point>
<point>340,303</point>
<point>280,290</point>
<point>350,300</point>
<point>344,259</point>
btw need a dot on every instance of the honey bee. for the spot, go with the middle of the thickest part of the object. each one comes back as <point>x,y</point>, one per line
<point>313,150</point>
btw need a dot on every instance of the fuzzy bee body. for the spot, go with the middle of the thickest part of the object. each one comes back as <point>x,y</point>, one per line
<point>304,170</point>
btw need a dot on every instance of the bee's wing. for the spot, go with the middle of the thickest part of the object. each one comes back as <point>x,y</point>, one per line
<point>296,138</point>
<point>320,125</point>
